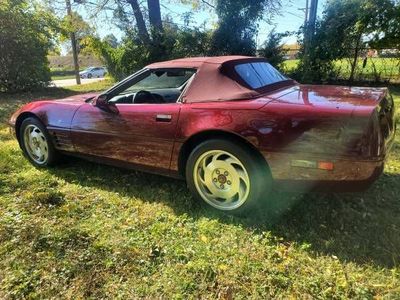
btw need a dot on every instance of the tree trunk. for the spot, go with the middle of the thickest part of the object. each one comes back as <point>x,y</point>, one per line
<point>354,63</point>
<point>73,45</point>
<point>141,26</point>
<point>155,14</point>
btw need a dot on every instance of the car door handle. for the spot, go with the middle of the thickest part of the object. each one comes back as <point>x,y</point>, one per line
<point>163,118</point>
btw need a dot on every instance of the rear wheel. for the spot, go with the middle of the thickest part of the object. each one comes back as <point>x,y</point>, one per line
<point>227,176</point>
<point>36,143</point>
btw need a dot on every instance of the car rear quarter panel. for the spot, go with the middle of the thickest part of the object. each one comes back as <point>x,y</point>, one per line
<point>281,132</point>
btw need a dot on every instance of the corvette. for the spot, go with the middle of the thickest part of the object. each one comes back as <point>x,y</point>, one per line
<point>233,127</point>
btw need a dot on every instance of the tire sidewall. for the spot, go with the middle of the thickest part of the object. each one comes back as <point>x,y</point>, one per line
<point>52,155</point>
<point>259,175</point>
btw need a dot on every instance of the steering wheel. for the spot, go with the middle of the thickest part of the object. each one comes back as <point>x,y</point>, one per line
<point>143,96</point>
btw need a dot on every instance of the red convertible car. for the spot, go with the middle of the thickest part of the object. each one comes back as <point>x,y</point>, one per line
<point>232,126</point>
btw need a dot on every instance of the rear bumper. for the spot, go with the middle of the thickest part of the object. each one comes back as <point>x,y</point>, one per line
<point>347,174</point>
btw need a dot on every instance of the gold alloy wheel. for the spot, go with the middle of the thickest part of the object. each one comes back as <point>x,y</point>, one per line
<point>221,179</point>
<point>36,144</point>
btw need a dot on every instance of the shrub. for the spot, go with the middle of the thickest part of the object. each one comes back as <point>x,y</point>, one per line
<point>272,49</point>
<point>24,44</point>
<point>131,54</point>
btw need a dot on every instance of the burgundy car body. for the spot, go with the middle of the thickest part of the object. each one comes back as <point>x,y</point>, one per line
<point>309,134</point>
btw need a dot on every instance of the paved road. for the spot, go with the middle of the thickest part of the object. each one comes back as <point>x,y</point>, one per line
<point>69,82</point>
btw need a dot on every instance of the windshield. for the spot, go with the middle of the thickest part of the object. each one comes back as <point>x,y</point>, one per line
<point>159,79</point>
<point>259,74</point>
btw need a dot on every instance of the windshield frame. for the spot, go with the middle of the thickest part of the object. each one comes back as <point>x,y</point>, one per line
<point>138,76</point>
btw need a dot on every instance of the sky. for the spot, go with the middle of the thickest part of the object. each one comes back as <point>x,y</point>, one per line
<point>290,18</point>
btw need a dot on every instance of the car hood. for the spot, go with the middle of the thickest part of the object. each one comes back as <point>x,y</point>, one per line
<point>50,110</point>
<point>329,96</point>
<point>76,99</point>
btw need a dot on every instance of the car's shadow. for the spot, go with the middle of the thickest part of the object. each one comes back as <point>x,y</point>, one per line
<point>358,227</point>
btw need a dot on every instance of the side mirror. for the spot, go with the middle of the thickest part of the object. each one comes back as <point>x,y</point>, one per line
<point>101,102</point>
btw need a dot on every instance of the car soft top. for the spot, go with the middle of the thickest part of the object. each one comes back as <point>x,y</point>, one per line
<point>216,78</point>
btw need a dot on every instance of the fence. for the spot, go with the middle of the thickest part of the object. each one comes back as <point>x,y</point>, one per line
<point>373,65</point>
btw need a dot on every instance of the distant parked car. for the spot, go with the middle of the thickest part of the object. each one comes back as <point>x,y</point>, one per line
<point>93,72</point>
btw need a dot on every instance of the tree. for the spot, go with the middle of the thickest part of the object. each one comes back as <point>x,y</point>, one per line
<point>272,49</point>
<point>25,39</point>
<point>130,56</point>
<point>81,29</point>
<point>72,34</point>
<point>346,28</point>
<point>111,40</point>
<point>388,22</point>
<point>237,25</point>
<point>149,37</point>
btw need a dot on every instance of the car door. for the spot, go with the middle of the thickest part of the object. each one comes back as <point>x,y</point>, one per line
<point>140,134</point>
<point>95,72</point>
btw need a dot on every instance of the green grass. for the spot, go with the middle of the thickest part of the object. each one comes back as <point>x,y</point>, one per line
<point>62,77</point>
<point>377,69</point>
<point>82,230</point>
<point>62,73</point>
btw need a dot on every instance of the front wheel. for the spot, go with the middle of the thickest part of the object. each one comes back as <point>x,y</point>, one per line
<point>228,176</point>
<point>36,143</point>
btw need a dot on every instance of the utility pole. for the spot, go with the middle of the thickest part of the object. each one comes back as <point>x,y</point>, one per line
<point>306,16</point>
<point>309,30</point>
<point>313,17</point>
<point>305,10</point>
<point>73,44</point>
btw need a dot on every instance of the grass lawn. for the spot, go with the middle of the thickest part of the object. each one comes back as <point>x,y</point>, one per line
<point>61,77</point>
<point>82,230</point>
<point>60,73</point>
<point>375,69</point>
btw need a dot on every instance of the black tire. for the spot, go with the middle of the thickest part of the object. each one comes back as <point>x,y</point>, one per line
<point>52,157</point>
<point>89,75</point>
<point>257,169</point>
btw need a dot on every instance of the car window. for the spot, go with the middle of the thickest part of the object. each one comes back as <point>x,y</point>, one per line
<point>162,80</point>
<point>259,74</point>
<point>157,86</point>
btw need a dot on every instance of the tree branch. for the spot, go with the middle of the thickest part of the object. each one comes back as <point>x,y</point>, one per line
<point>141,25</point>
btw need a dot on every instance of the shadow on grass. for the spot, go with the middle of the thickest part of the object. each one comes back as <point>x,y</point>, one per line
<point>358,227</point>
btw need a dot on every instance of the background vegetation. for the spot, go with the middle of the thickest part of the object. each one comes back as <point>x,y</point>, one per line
<point>82,230</point>
<point>25,40</point>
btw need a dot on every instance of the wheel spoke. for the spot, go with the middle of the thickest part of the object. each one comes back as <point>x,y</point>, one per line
<point>242,189</point>
<point>215,157</point>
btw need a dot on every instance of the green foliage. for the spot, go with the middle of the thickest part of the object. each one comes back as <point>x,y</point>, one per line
<point>190,42</point>
<point>237,25</point>
<point>111,40</point>
<point>346,28</point>
<point>83,31</point>
<point>131,55</point>
<point>25,39</point>
<point>272,49</point>
<point>86,231</point>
